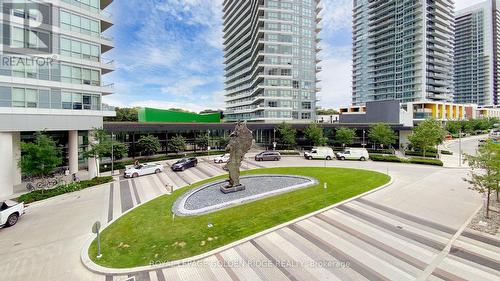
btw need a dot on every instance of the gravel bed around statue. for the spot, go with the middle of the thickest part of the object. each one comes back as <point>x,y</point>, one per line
<point>208,198</point>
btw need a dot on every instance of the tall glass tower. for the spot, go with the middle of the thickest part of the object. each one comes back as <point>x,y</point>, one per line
<point>476,50</point>
<point>270,51</point>
<point>402,50</point>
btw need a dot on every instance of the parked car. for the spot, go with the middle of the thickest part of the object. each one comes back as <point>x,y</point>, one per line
<point>354,154</point>
<point>268,156</point>
<point>320,153</point>
<point>224,158</point>
<point>495,133</point>
<point>10,212</point>
<point>184,164</point>
<point>143,169</point>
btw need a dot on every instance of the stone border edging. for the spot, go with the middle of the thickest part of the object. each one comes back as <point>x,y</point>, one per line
<point>179,205</point>
<point>93,267</point>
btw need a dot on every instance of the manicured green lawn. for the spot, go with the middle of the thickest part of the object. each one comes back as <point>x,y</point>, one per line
<point>148,233</point>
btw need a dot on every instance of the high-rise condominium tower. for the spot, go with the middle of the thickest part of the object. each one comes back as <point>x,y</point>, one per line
<point>270,51</point>
<point>402,50</point>
<point>51,72</point>
<point>476,51</point>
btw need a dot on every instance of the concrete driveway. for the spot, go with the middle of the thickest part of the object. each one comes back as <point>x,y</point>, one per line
<point>401,232</point>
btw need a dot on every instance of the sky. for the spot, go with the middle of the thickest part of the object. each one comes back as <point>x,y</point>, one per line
<point>168,53</point>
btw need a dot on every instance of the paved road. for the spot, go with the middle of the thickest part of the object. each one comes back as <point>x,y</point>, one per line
<point>468,146</point>
<point>396,233</point>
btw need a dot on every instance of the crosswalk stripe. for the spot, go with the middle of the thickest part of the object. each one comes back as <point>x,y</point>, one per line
<point>365,263</point>
<point>421,221</point>
<point>136,194</point>
<point>400,231</point>
<point>380,245</point>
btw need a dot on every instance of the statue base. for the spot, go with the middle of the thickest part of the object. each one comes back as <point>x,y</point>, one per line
<point>232,189</point>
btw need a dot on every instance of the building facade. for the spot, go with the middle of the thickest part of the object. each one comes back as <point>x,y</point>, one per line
<point>51,77</point>
<point>402,50</point>
<point>476,49</point>
<point>270,51</point>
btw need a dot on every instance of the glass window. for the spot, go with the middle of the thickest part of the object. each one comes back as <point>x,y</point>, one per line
<point>95,78</point>
<point>76,49</point>
<point>85,26</point>
<point>76,75</point>
<point>65,47</point>
<point>86,76</point>
<point>44,99</point>
<point>77,101</point>
<point>66,73</point>
<point>18,37</point>
<point>66,100</point>
<point>55,99</point>
<point>18,97</point>
<point>31,96</point>
<point>75,23</point>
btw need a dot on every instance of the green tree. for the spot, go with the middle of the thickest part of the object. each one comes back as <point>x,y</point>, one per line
<point>382,134</point>
<point>124,115</point>
<point>485,174</point>
<point>202,141</point>
<point>314,134</point>
<point>104,147</point>
<point>427,134</point>
<point>149,144</point>
<point>454,127</point>
<point>39,158</point>
<point>287,134</point>
<point>344,136</point>
<point>223,141</point>
<point>326,111</point>
<point>177,144</point>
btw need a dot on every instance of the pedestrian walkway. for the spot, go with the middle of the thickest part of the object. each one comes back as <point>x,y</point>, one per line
<point>360,240</point>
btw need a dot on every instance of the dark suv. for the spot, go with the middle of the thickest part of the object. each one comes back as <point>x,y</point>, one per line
<point>184,163</point>
<point>268,156</point>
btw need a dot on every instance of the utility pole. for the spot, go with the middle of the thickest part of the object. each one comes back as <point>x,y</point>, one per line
<point>460,148</point>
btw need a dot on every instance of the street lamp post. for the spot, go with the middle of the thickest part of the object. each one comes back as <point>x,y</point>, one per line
<point>364,144</point>
<point>208,144</point>
<point>274,139</point>
<point>112,155</point>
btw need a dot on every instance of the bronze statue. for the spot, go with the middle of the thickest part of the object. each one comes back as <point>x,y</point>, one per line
<point>240,142</point>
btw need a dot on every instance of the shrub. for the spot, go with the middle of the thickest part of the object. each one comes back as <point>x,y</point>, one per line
<point>38,195</point>
<point>446,152</point>
<point>413,160</point>
<point>425,161</point>
<point>420,153</point>
<point>386,158</point>
<point>380,151</point>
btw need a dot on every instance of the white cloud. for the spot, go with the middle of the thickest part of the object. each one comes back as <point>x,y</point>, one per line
<point>460,4</point>
<point>161,104</point>
<point>337,15</point>
<point>336,77</point>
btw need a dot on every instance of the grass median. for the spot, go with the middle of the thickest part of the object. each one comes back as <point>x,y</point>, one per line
<point>148,234</point>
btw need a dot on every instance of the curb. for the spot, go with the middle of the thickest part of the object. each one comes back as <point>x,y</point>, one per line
<point>95,268</point>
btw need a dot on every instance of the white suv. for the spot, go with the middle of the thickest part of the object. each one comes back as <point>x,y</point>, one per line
<point>222,158</point>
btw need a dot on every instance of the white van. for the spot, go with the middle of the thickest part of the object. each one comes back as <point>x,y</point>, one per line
<point>320,153</point>
<point>354,154</point>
